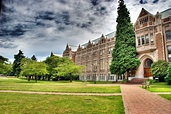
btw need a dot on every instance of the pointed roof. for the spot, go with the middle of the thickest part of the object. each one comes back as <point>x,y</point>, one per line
<point>67,46</point>
<point>143,12</point>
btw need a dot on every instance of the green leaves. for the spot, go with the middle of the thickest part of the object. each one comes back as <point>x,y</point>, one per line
<point>33,68</point>
<point>168,77</point>
<point>159,68</point>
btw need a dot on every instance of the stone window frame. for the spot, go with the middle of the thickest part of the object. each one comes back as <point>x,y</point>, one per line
<point>168,35</point>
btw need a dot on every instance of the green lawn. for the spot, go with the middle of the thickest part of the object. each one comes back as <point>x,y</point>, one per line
<point>167,96</point>
<point>54,86</point>
<point>160,87</point>
<point>17,103</point>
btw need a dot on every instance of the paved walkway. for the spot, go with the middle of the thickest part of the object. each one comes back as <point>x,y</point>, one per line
<point>140,101</point>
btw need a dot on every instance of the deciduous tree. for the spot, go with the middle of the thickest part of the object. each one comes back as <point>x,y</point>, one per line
<point>68,68</point>
<point>33,68</point>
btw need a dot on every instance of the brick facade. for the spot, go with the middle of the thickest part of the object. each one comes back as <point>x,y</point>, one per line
<point>153,38</point>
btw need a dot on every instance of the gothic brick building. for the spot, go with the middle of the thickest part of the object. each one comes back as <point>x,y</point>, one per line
<point>153,39</point>
<point>153,42</point>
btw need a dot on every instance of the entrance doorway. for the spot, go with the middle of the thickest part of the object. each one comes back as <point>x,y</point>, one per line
<point>147,68</point>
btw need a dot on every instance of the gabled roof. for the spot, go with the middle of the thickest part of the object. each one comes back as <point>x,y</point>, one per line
<point>144,12</point>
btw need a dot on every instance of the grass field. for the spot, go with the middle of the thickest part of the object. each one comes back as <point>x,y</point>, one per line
<point>167,96</point>
<point>16,103</point>
<point>52,86</point>
<point>160,87</point>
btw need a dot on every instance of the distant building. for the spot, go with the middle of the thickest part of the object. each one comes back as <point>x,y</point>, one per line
<point>153,43</point>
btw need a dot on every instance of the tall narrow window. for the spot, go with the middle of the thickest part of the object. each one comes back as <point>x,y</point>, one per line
<point>143,41</point>
<point>168,34</point>
<point>146,39</point>
<point>151,38</point>
<point>139,41</point>
<point>169,53</point>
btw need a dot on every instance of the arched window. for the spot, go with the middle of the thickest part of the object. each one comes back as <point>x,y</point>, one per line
<point>148,63</point>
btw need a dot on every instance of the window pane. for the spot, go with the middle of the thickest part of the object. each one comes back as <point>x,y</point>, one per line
<point>139,41</point>
<point>146,39</point>
<point>168,35</point>
<point>143,41</point>
<point>169,53</point>
<point>151,38</point>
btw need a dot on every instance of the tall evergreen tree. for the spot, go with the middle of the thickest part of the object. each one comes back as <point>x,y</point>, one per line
<point>124,52</point>
<point>17,63</point>
<point>34,58</point>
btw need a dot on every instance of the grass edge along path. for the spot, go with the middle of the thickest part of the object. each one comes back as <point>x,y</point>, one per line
<point>34,103</point>
<point>60,93</point>
<point>159,87</point>
<point>166,96</point>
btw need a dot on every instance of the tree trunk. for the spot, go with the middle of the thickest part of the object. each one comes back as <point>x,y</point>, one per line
<point>43,78</point>
<point>39,77</point>
<point>29,77</point>
<point>35,78</point>
<point>70,77</point>
<point>49,78</point>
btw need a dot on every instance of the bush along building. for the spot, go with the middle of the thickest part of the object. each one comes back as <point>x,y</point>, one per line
<point>153,43</point>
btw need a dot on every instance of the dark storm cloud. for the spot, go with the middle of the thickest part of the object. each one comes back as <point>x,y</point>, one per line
<point>63,17</point>
<point>143,1</point>
<point>42,26</point>
<point>155,1</point>
<point>45,15</point>
<point>149,1</point>
<point>7,43</point>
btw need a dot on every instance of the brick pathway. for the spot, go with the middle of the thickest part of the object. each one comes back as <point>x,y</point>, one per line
<point>140,101</point>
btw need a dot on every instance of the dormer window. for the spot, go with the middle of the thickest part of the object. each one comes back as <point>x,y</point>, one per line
<point>143,20</point>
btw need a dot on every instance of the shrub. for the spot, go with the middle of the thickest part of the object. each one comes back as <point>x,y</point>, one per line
<point>159,69</point>
<point>168,77</point>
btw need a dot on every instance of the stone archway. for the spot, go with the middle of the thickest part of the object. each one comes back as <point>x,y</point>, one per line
<point>147,68</point>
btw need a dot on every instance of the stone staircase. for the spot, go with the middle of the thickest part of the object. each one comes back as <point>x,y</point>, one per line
<point>136,81</point>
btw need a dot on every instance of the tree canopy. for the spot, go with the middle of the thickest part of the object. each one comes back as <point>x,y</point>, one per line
<point>124,52</point>
<point>3,59</point>
<point>68,68</point>
<point>5,67</point>
<point>17,63</point>
<point>33,68</point>
<point>168,77</point>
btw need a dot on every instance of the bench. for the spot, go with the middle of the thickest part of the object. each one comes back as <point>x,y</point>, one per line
<point>146,84</point>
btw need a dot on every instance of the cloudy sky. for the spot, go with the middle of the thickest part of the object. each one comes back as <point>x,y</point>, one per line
<point>39,27</point>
